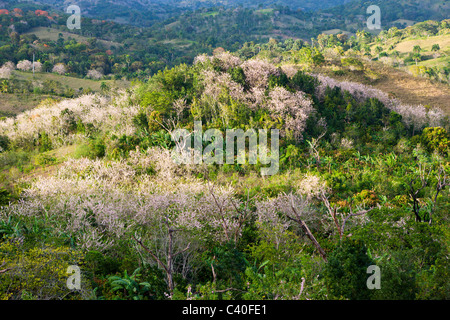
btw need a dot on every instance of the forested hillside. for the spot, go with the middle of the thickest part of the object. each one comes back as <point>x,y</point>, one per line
<point>357,169</point>
<point>116,158</point>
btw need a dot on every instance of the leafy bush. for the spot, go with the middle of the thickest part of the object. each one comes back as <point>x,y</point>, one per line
<point>93,149</point>
<point>4,143</point>
<point>44,142</point>
<point>5,197</point>
<point>436,139</point>
<point>346,271</point>
<point>38,273</point>
<point>132,287</point>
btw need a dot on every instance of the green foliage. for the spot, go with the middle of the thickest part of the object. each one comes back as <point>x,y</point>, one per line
<point>44,142</point>
<point>365,157</point>
<point>278,81</point>
<point>38,272</point>
<point>94,148</point>
<point>229,264</point>
<point>5,197</point>
<point>433,281</point>
<point>69,124</point>
<point>353,63</point>
<point>4,143</point>
<point>129,287</point>
<point>101,264</point>
<point>140,121</point>
<point>303,82</point>
<point>143,284</point>
<point>398,279</point>
<point>346,271</point>
<point>43,159</point>
<point>436,139</point>
<point>238,75</point>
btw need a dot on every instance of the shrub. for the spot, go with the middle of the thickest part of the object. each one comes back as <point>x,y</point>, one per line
<point>44,159</point>
<point>38,273</point>
<point>44,142</point>
<point>346,271</point>
<point>93,149</point>
<point>5,197</point>
<point>435,139</point>
<point>304,82</point>
<point>4,143</point>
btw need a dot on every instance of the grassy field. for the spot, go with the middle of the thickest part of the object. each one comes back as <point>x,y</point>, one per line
<point>406,46</point>
<point>53,35</point>
<point>336,31</point>
<point>210,14</point>
<point>265,11</point>
<point>13,104</point>
<point>426,43</point>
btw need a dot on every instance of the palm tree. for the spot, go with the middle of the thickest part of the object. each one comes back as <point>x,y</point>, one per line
<point>416,53</point>
<point>5,86</point>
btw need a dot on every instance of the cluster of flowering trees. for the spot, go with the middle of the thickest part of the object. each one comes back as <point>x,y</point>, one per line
<point>26,65</point>
<point>186,218</point>
<point>101,202</point>
<point>59,120</point>
<point>221,90</point>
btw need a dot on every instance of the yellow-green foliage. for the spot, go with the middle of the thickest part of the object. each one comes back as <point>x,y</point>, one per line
<point>366,197</point>
<point>436,139</point>
<point>37,273</point>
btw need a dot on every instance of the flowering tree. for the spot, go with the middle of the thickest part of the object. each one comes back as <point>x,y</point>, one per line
<point>5,72</point>
<point>257,72</point>
<point>48,118</point>
<point>25,65</point>
<point>37,66</point>
<point>227,60</point>
<point>294,108</point>
<point>59,68</point>
<point>94,74</point>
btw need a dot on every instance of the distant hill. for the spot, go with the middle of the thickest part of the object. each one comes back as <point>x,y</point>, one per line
<point>145,12</point>
<point>402,12</point>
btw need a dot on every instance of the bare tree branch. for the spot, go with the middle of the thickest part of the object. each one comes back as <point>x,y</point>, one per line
<point>151,253</point>
<point>353,215</point>
<point>306,229</point>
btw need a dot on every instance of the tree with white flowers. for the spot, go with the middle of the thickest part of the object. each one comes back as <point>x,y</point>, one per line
<point>59,68</point>
<point>5,71</point>
<point>94,74</point>
<point>25,65</point>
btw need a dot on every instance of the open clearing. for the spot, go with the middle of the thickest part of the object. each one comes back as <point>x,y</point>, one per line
<point>426,44</point>
<point>53,35</point>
